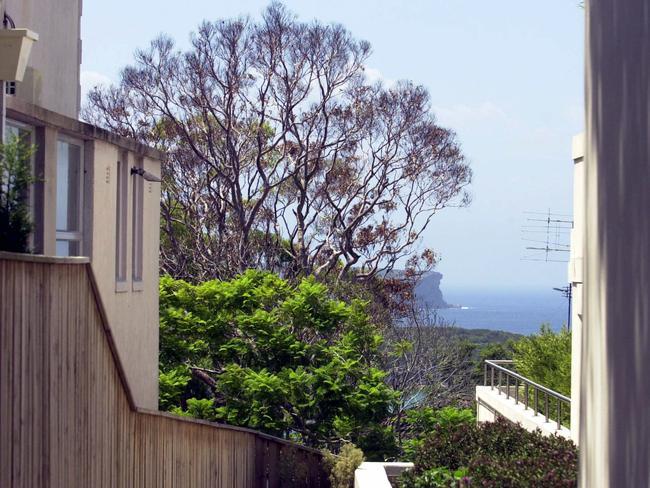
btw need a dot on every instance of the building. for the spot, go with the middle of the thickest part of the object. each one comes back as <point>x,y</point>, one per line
<point>79,319</point>
<point>609,269</point>
<point>576,277</point>
<point>91,198</point>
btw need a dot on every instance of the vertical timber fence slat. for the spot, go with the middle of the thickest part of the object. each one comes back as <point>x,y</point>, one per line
<point>68,419</point>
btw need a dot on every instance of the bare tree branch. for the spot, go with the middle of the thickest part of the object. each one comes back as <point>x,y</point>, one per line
<point>281,155</point>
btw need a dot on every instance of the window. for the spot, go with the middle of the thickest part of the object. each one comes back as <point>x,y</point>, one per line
<point>26,135</point>
<point>121,221</point>
<point>69,196</point>
<point>16,129</point>
<point>10,88</point>
<point>138,217</point>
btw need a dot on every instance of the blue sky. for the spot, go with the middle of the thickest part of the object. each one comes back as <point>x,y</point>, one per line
<point>507,76</point>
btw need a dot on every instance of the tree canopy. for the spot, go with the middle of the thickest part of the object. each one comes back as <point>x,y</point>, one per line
<point>260,352</point>
<point>545,358</point>
<point>281,154</point>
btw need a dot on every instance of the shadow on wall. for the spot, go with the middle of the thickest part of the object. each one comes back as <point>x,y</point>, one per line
<point>615,393</point>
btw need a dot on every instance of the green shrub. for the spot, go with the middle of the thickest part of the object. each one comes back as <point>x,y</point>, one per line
<point>424,420</point>
<point>495,454</point>
<point>342,466</point>
<point>171,385</point>
<point>510,456</point>
<point>15,180</point>
<point>495,350</point>
<point>450,446</point>
<point>379,443</point>
<point>438,478</point>
<point>546,358</point>
<point>286,359</point>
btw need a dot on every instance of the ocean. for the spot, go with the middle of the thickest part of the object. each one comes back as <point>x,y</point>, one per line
<point>517,311</point>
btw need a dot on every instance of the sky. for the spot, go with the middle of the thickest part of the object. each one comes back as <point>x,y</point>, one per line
<point>506,76</point>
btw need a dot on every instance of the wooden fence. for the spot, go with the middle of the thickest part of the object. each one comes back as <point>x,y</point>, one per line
<point>67,418</point>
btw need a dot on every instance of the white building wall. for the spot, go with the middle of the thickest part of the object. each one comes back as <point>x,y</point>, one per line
<point>615,371</point>
<point>576,262</point>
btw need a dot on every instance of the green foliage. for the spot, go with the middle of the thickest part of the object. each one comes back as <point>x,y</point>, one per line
<point>424,420</point>
<point>379,443</point>
<point>342,466</point>
<point>439,478</point>
<point>200,408</point>
<point>450,446</point>
<point>171,385</point>
<point>546,358</point>
<point>495,454</point>
<point>483,337</point>
<point>15,179</point>
<point>497,350</point>
<point>288,360</point>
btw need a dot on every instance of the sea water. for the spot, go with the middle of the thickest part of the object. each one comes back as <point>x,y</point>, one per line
<point>518,311</point>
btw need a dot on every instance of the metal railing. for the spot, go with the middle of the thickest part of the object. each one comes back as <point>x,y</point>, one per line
<point>507,378</point>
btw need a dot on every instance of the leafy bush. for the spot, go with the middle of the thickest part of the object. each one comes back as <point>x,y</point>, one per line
<point>510,456</point>
<point>495,454</point>
<point>15,179</point>
<point>171,385</point>
<point>425,420</point>
<point>448,446</point>
<point>441,478</point>
<point>285,359</point>
<point>546,358</point>
<point>342,466</point>
<point>495,350</point>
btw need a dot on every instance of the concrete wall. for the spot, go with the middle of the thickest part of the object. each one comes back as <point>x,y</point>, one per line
<point>576,279</point>
<point>52,76</point>
<point>615,390</point>
<point>132,309</point>
<point>491,404</point>
<point>379,475</point>
<point>484,411</point>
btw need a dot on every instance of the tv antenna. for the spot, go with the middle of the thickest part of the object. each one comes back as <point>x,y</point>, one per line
<point>547,236</point>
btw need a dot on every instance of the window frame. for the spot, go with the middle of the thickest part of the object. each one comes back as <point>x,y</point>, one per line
<point>78,235</point>
<point>121,221</point>
<point>137,228</point>
<point>21,126</point>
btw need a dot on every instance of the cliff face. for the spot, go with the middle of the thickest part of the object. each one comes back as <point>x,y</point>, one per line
<point>428,292</point>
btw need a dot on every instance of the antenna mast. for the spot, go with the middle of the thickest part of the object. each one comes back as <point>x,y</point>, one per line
<point>550,233</point>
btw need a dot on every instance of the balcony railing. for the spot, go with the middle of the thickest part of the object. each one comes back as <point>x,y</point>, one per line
<point>498,375</point>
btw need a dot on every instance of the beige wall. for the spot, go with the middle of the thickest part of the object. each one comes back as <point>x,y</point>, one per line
<point>52,76</point>
<point>615,373</point>
<point>132,311</point>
